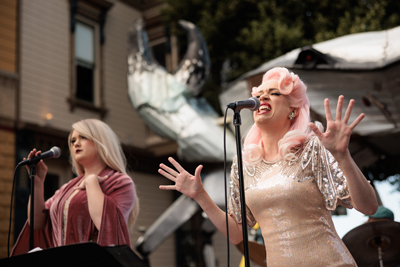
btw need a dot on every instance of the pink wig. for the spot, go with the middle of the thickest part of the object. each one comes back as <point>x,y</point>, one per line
<point>295,90</point>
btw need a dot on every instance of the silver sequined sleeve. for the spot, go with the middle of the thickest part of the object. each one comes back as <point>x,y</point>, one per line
<point>330,178</point>
<point>234,206</point>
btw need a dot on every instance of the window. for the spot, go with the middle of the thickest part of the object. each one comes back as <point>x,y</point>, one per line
<point>85,62</point>
<point>87,38</point>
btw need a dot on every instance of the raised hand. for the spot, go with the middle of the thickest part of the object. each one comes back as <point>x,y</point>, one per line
<point>41,168</point>
<point>185,183</point>
<point>91,178</point>
<point>337,135</point>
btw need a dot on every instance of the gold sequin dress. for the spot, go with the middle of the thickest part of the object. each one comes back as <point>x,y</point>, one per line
<point>292,202</point>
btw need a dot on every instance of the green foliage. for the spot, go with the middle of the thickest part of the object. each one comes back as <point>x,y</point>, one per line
<point>386,168</point>
<point>243,34</point>
<point>395,181</point>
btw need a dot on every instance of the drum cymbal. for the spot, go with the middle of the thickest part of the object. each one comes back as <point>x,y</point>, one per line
<point>256,252</point>
<point>364,241</point>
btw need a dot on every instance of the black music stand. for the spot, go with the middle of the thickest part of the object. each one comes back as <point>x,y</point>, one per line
<point>77,255</point>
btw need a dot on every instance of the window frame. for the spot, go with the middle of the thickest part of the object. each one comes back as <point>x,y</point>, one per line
<point>93,14</point>
<point>96,76</point>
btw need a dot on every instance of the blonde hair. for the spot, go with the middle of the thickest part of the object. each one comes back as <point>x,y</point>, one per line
<point>109,150</point>
<point>106,142</point>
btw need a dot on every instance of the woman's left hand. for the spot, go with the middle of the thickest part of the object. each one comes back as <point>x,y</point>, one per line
<point>337,135</point>
<point>91,178</point>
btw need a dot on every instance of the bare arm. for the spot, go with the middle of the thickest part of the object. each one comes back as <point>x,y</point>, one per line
<point>218,218</point>
<point>336,140</point>
<point>192,187</point>
<point>39,217</point>
<point>362,194</point>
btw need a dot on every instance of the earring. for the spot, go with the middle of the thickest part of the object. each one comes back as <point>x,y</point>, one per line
<point>291,116</point>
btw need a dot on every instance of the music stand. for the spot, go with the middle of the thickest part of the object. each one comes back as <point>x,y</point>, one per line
<point>77,255</point>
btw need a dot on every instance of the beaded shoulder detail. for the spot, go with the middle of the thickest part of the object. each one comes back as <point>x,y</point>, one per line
<point>317,163</point>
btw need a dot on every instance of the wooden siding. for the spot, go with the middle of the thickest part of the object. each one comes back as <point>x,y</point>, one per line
<point>7,164</point>
<point>8,85</point>
<point>8,35</point>
<point>45,69</point>
<point>122,116</point>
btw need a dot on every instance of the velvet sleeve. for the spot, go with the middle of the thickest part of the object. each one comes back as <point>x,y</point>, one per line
<point>41,238</point>
<point>119,197</point>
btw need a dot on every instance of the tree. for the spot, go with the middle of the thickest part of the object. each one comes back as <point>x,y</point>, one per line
<point>243,34</point>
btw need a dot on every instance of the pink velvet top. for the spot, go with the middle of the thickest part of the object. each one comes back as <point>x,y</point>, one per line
<point>119,196</point>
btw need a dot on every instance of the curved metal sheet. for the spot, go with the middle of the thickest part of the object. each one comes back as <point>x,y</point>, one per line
<point>195,66</point>
<point>169,109</point>
<point>171,219</point>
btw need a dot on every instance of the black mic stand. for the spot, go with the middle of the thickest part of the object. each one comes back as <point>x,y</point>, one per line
<point>32,175</point>
<point>237,122</point>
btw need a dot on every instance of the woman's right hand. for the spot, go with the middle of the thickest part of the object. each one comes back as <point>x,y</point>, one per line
<point>41,168</point>
<point>185,183</point>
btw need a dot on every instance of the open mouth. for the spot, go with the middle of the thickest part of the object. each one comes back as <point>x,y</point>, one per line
<point>265,107</point>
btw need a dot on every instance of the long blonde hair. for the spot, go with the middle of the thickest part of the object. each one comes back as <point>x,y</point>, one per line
<point>108,148</point>
<point>106,142</point>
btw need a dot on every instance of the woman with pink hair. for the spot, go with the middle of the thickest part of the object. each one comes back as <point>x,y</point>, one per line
<point>294,176</point>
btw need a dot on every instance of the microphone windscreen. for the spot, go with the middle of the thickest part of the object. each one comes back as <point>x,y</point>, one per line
<point>56,152</point>
<point>257,103</point>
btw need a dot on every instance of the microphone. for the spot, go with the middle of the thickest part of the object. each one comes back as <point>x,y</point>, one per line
<point>252,103</point>
<point>54,152</point>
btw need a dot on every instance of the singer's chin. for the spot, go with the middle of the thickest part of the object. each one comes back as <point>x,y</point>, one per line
<point>260,119</point>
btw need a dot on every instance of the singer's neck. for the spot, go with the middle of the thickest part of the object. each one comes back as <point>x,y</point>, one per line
<point>270,141</point>
<point>94,167</point>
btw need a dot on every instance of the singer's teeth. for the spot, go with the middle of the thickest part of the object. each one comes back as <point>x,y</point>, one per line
<point>265,108</point>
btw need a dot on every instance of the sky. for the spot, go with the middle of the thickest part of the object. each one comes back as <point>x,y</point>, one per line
<point>390,199</point>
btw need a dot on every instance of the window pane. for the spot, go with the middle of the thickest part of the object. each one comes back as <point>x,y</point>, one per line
<point>84,83</point>
<point>84,42</point>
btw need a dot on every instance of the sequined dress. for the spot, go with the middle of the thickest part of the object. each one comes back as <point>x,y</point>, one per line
<point>292,202</point>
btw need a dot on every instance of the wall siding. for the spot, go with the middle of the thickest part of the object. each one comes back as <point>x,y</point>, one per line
<point>45,69</point>
<point>8,40</point>
<point>7,163</point>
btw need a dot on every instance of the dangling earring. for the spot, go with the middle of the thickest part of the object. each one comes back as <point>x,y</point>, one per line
<point>291,116</point>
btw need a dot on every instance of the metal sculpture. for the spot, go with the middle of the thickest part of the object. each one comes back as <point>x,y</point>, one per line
<point>170,105</point>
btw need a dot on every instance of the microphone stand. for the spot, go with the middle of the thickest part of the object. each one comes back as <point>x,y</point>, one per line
<point>31,215</point>
<point>237,122</point>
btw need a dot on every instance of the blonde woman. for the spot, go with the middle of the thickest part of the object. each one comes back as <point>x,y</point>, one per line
<point>99,205</point>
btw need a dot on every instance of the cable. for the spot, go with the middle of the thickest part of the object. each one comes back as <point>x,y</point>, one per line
<point>11,204</point>
<point>226,194</point>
